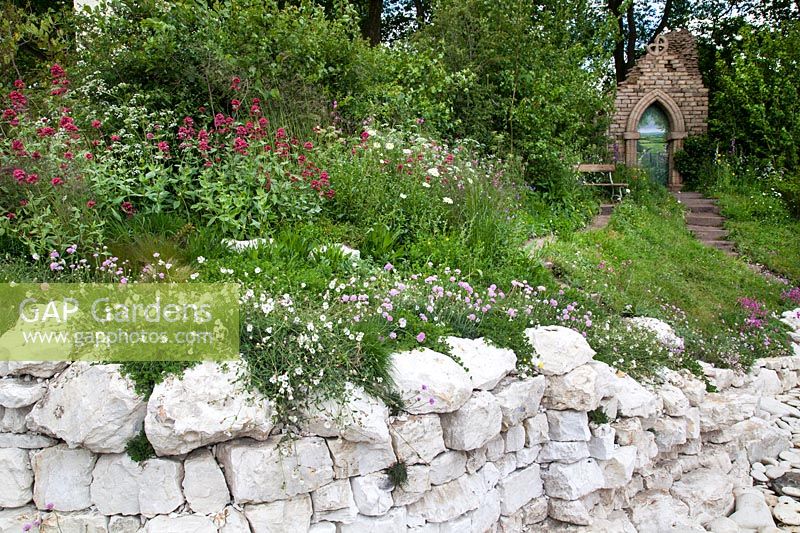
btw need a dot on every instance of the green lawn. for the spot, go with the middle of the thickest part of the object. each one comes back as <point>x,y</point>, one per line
<point>645,263</point>
<point>763,232</point>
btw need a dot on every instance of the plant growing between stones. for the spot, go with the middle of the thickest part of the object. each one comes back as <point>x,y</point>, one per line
<point>398,473</point>
<point>598,416</point>
<point>139,448</point>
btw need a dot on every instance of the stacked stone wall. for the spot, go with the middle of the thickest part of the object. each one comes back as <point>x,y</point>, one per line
<point>483,449</point>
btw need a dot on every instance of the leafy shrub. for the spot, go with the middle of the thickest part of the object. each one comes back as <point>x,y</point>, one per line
<point>45,201</point>
<point>532,88</point>
<point>755,107</point>
<point>414,187</point>
<point>695,162</point>
<point>310,61</point>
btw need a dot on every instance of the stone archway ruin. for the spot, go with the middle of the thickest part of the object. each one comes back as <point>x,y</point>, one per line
<point>668,75</point>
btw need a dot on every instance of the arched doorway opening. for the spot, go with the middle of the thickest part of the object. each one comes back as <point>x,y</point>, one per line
<point>655,118</point>
<point>652,146</point>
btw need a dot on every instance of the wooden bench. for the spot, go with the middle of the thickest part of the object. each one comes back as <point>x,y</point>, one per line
<point>617,189</point>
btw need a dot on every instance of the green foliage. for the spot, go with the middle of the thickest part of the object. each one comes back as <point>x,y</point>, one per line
<point>30,38</point>
<point>642,189</point>
<point>147,374</point>
<point>696,161</point>
<point>756,108</point>
<point>646,264</point>
<point>758,202</point>
<point>630,349</point>
<point>398,474</point>
<point>299,57</point>
<point>415,199</point>
<point>44,200</point>
<point>139,448</point>
<point>533,87</point>
<point>598,416</point>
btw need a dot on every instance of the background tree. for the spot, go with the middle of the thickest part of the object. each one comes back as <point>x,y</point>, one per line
<point>534,71</point>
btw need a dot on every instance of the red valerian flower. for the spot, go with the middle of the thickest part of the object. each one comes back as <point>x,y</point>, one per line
<point>68,155</point>
<point>240,146</point>
<point>19,175</point>
<point>115,138</point>
<point>163,146</point>
<point>18,100</point>
<point>281,133</point>
<point>19,84</point>
<point>128,208</point>
<point>46,131</point>
<point>308,145</point>
<point>32,179</point>
<point>235,104</point>
<point>56,181</point>
<point>330,194</point>
<point>96,124</point>
<point>57,72</point>
<point>88,156</point>
<point>36,154</point>
<point>90,204</point>
<point>9,114</point>
<point>10,216</point>
<point>235,82</point>
<point>68,123</point>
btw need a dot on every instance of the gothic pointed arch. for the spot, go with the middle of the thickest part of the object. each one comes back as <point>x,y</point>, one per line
<point>677,124</point>
<point>668,76</point>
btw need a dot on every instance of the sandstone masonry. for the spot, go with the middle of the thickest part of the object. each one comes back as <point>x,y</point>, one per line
<point>667,75</point>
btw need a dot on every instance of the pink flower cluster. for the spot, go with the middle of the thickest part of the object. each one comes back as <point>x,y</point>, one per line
<point>757,313</point>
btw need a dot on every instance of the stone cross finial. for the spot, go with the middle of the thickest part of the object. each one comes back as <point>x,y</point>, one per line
<point>658,47</point>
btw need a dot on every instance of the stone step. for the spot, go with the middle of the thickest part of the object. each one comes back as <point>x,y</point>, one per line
<point>688,195</point>
<point>708,232</point>
<point>704,220</point>
<point>606,209</point>
<point>599,222</point>
<point>692,201</point>
<point>702,208</point>
<point>720,245</point>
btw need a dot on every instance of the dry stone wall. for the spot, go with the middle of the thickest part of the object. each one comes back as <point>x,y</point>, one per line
<point>484,449</point>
